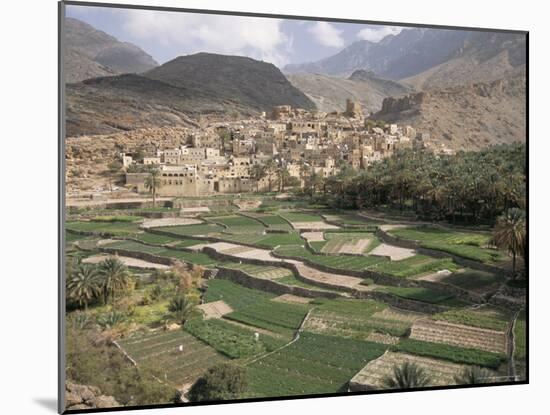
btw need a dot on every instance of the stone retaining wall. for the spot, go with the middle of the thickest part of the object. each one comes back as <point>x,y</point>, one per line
<point>402,303</point>
<point>140,255</point>
<point>247,280</point>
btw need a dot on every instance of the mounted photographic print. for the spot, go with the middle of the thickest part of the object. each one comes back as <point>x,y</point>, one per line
<point>256,207</point>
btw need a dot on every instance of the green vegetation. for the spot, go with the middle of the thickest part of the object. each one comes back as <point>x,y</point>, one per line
<point>487,318</point>
<point>301,217</point>
<point>221,382</point>
<point>314,364</point>
<point>237,296</point>
<point>520,337</point>
<point>190,230</point>
<point>454,354</point>
<point>413,266</point>
<point>269,240</point>
<point>418,293</point>
<point>510,233</point>
<point>260,271</point>
<point>295,282</point>
<point>464,244</point>
<point>239,224</point>
<point>231,340</point>
<point>104,227</point>
<point>272,221</point>
<point>196,258</point>
<point>474,280</point>
<point>118,218</point>
<point>406,376</point>
<point>162,350</point>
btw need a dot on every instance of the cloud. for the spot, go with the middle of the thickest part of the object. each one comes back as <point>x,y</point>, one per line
<point>259,38</point>
<point>377,33</point>
<point>326,34</point>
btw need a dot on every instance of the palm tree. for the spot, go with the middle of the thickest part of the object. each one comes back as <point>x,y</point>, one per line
<point>153,182</point>
<point>83,284</point>
<point>510,233</point>
<point>114,275</point>
<point>473,375</point>
<point>180,306</point>
<point>406,376</point>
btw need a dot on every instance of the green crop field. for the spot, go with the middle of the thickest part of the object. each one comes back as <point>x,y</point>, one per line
<point>278,317</point>
<point>314,364</point>
<point>292,281</point>
<point>231,340</point>
<point>485,317</point>
<point>474,280</point>
<point>160,349</point>
<point>417,293</point>
<point>105,227</point>
<point>353,319</point>
<point>196,258</point>
<point>348,219</point>
<point>237,296</point>
<point>272,221</point>
<point>260,271</point>
<point>520,337</point>
<point>190,230</point>
<point>415,265</point>
<point>452,353</point>
<point>268,240</point>
<point>301,217</point>
<point>238,224</point>
<point>464,244</point>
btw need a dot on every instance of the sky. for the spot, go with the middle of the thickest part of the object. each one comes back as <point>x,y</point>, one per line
<point>166,35</point>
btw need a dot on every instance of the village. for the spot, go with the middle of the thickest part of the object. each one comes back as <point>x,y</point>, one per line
<point>284,146</point>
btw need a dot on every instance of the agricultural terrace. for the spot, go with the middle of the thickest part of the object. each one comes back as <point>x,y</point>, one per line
<point>349,220</point>
<point>238,224</point>
<point>160,350</point>
<point>107,225</point>
<point>358,319</point>
<point>272,221</point>
<point>190,230</point>
<point>196,258</point>
<point>260,271</point>
<point>423,294</point>
<point>472,280</point>
<point>411,267</point>
<point>357,243</point>
<point>485,317</point>
<point>268,240</point>
<point>303,220</point>
<point>313,364</point>
<point>470,245</point>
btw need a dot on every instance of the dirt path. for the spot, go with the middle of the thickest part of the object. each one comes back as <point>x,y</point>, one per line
<point>511,347</point>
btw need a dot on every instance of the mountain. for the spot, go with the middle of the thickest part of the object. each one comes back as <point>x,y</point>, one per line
<point>91,53</point>
<point>177,93</point>
<point>329,93</point>
<point>464,117</point>
<point>420,50</point>
<point>484,57</point>
<point>396,56</point>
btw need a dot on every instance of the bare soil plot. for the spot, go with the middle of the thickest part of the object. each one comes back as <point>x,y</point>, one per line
<point>382,338</point>
<point>313,236</point>
<point>372,375</point>
<point>293,299</point>
<point>394,252</point>
<point>240,251</point>
<point>459,335</point>
<point>215,309</point>
<point>128,261</point>
<point>196,209</point>
<point>313,225</point>
<point>161,222</point>
<point>398,315</point>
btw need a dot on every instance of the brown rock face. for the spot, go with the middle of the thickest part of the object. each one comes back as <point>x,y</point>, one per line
<point>86,397</point>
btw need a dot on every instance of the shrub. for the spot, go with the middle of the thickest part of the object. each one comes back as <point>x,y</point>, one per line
<point>221,382</point>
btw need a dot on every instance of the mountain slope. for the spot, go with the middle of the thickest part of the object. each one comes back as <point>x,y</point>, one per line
<point>253,83</point>
<point>330,93</point>
<point>177,93</point>
<point>395,56</point>
<point>465,117</point>
<point>485,57</point>
<point>91,53</point>
<point>437,57</point>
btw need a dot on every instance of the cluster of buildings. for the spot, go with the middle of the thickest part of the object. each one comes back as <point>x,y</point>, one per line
<point>248,155</point>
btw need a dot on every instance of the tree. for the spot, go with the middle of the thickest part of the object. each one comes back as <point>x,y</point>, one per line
<point>114,277</point>
<point>181,307</point>
<point>83,284</point>
<point>473,375</point>
<point>153,182</point>
<point>406,376</point>
<point>510,233</point>
<point>221,382</point>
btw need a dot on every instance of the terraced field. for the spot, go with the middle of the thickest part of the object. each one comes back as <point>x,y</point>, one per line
<point>238,224</point>
<point>419,294</point>
<point>114,228</point>
<point>190,230</point>
<point>268,240</point>
<point>160,350</point>
<point>314,364</point>
<point>468,245</point>
<point>459,335</point>
<point>344,219</point>
<point>372,375</point>
<point>272,221</point>
<point>474,280</point>
<point>196,258</point>
<point>259,271</point>
<point>485,317</point>
<point>349,243</point>
<point>356,319</point>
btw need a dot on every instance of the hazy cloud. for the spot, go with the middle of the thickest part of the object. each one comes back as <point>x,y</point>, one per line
<point>260,38</point>
<point>326,34</point>
<point>377,33</point>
